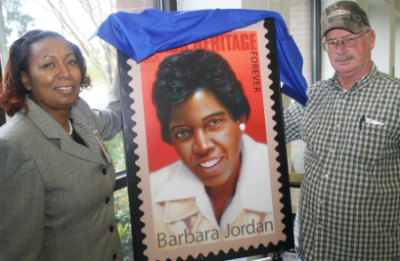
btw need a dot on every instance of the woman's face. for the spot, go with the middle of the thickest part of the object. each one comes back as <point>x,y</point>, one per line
<point>206,138</point>
<point>54,77</point>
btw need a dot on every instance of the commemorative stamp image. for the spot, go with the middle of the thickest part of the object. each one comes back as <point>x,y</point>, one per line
<point>205,139</point>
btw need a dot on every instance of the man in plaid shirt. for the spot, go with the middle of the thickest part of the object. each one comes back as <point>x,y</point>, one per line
<point>349,204</point>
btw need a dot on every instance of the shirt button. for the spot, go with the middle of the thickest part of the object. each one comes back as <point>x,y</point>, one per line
<point>333,151</point>
<point>343,100</point>
<point>321,202</point>
<point>104,170</point>
<point>111,229</point>
<point>319,226</point>
<point>107,200</point>
<point>326,176</point>
<point>338,125</point>
<point>310,258</point>
<point>114,256</point>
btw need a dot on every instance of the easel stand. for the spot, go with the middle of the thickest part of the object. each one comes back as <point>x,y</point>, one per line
<point>277,256</point>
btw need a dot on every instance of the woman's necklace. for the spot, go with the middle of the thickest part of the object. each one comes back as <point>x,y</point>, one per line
<point>71,130</point>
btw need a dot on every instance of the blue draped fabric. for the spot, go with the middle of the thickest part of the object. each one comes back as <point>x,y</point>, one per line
<point>140,35</point>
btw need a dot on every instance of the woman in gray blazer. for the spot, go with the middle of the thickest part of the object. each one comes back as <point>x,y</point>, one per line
<point>56,176</point>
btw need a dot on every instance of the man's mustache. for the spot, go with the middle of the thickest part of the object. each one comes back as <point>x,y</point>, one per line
<point>343,57</point>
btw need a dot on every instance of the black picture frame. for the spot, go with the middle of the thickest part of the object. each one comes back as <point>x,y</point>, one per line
<point>2,113</point>
<point>133,180</point>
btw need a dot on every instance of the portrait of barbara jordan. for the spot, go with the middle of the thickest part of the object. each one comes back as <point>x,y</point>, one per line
<point>220,188</point>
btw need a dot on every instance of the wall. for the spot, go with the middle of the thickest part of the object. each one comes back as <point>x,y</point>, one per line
<point>280,6</point>
<point>397,51</point>
<point>262,4</point>
<point>379,19</point>
<point>185,5</point>
<point>300,29</point>
<point>134,6</point>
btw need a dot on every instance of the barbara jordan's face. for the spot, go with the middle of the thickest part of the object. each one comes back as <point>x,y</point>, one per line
<point>206,138</point>
<point>54,76</point>
<point>351,61</point>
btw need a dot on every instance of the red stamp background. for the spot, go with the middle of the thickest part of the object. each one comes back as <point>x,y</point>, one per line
<point>240,50</point>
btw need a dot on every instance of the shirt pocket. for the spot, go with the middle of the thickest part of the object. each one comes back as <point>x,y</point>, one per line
<point>373,142</point>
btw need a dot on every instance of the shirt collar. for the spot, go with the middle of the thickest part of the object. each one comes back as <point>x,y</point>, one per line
<point>184,184</point>
<point>49,126</point>
<point>46,123</point>
<point>51,129</point>
<point>254,176</point>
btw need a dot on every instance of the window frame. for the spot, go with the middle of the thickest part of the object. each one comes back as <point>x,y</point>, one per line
<point>2,116</point>
<point>120,180</point>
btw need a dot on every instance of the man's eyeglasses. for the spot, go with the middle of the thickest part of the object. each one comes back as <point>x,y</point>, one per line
<point>348,41</point>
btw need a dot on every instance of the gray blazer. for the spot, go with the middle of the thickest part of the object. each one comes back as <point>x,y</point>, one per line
<point>56,196</point>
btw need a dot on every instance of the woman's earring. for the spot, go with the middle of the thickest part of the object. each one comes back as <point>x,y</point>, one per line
<point>242,126</point>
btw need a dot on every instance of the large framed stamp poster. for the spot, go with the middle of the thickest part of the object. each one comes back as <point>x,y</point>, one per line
<point>205,150</point>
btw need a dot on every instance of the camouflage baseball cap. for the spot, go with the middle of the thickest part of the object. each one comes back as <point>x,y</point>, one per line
<point>347,15</point>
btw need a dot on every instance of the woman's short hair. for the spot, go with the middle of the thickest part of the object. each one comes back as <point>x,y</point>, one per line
<point>12,92</point>
<point>180,75</point>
